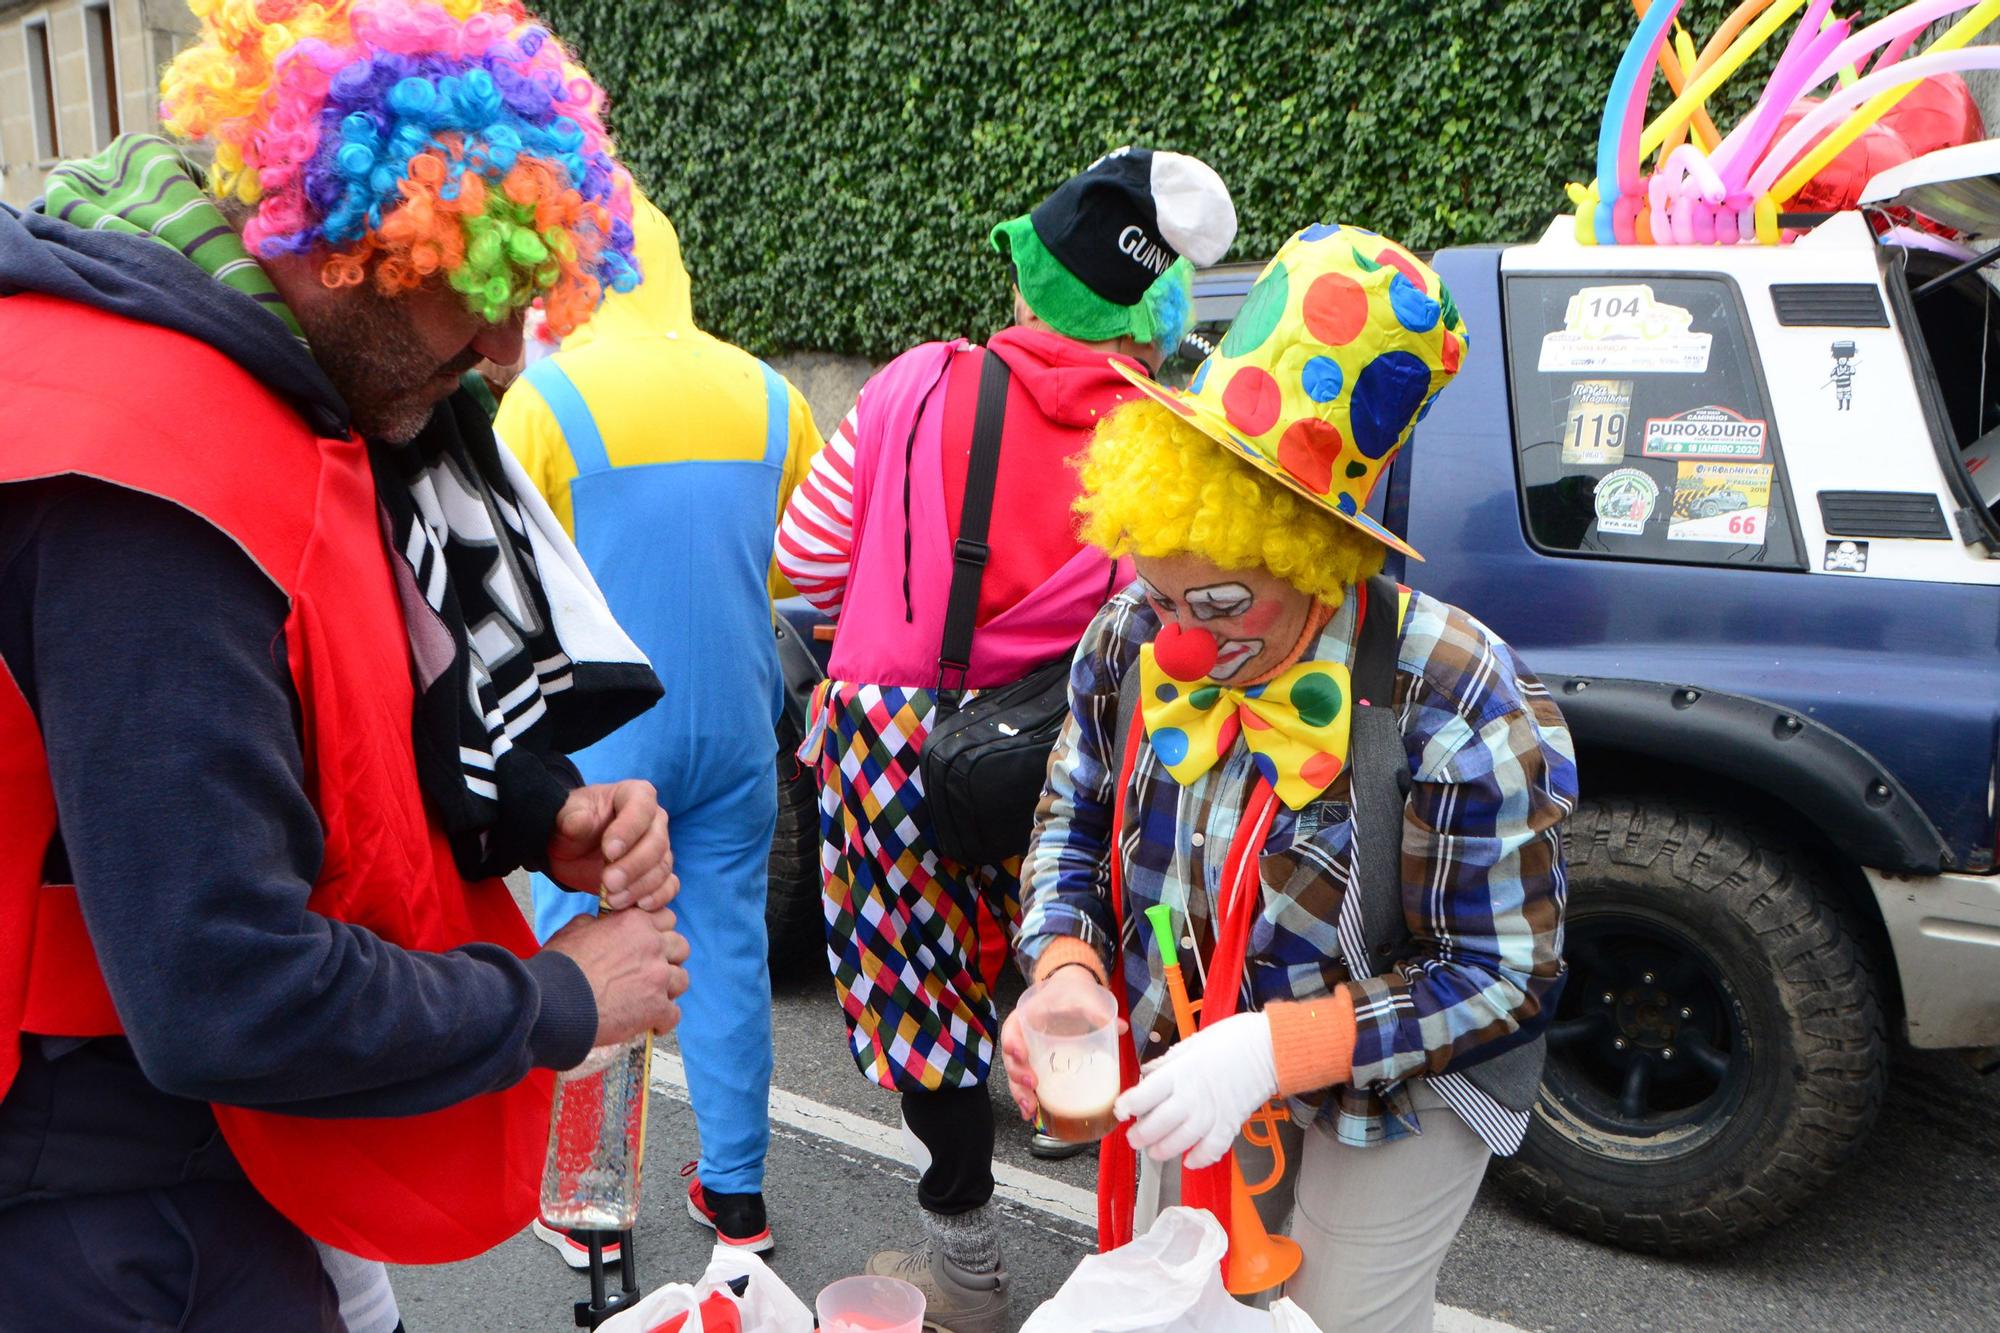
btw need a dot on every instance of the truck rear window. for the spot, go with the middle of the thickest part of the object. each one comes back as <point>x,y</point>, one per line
<point>1641,421</point>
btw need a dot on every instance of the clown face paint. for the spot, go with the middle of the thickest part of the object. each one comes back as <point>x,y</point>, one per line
<point>1252,616</point>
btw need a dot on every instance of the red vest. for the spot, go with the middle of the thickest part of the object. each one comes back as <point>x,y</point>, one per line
<point>95,395</point>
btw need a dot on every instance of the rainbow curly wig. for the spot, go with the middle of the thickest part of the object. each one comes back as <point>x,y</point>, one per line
<point>1153,485</point>
<point>405,139</point>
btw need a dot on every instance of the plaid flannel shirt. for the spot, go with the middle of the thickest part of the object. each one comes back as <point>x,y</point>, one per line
<point>1494,776</point>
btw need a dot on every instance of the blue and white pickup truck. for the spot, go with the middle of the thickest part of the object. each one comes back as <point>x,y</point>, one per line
<point>1719,499</point>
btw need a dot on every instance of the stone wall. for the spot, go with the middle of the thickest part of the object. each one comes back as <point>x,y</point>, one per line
<point>145,35</point>
<point>828,382</point>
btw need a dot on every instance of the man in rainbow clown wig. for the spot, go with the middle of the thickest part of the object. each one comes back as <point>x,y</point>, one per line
<point>290,655</point>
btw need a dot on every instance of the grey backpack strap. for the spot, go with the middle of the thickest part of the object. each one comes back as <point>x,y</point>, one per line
<point>1378,776</point>
<point>1378,788</point>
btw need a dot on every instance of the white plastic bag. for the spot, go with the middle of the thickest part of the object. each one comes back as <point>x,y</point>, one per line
<point>766,1306</point>
<point>1166,1281</point>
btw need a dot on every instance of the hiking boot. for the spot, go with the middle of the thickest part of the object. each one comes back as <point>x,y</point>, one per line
<point>736,1219</point>
<point>574,1246</point>
<point>955,1301</point>
<point>1052,1149</point>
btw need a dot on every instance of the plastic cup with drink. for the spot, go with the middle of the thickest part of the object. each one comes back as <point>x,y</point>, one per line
<point>870,1305</point>
<point>1072,1038</point>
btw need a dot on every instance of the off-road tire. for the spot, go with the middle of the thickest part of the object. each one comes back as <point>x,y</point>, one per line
<point>792,921</point>
<point>1802,991</point>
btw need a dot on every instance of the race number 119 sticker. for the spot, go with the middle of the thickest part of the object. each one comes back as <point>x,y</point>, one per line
<point>1721,502</point>
<point>1594,433</point>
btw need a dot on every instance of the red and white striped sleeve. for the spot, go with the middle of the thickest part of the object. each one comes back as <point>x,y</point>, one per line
<point>816,535</point>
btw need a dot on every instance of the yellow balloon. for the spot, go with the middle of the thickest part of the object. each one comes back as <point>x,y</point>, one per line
<point>1765,210</point>
<point>1683,107</point>
<point>1585,199</point>
<point>1870,111</point>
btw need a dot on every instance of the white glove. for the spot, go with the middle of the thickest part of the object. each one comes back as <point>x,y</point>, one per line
<point>1195,1098</point>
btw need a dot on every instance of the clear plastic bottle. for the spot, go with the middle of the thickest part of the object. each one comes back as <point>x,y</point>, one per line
<point>597,1140</point>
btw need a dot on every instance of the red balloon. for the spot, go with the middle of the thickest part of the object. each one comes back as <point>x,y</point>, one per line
<point>1839,183</point>
<point>1939,113</point>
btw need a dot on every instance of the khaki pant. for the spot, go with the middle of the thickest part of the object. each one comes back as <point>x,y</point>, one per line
<point>1374,1222</point>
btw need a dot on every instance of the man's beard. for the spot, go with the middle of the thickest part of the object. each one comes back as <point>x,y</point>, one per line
<point>387,376</point>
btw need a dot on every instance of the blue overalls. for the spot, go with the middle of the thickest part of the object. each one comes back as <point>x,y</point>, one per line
<point>681,549</point>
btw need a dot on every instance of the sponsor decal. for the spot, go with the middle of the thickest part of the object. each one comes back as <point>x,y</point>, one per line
<point>1594,433</point>
<point>1625,500</point>
<point>1846,557</point>
<point>1623,330</point>
<point>1721,502</point>
<point>1705,432</point>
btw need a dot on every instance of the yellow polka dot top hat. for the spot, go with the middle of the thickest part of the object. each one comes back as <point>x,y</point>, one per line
<point>1336,354</point>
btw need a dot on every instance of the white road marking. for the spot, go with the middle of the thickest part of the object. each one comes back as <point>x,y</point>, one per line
<point>1051,1197</point>
<point>1026,1188</point>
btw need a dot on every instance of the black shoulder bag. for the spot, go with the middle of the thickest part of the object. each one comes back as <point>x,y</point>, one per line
<point>986,759</point>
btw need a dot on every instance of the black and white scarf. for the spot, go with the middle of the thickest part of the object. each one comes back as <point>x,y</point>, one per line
<point>517,658</point>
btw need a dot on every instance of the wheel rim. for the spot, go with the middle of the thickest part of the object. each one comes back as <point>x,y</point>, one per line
<point>1648,1041</point>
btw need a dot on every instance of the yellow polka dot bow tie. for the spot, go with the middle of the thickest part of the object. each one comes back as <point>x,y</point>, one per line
<point>1295,726</point>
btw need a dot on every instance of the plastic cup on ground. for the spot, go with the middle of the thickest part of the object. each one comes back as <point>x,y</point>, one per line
<point>1072,1039</point>
<point>870,1305</point>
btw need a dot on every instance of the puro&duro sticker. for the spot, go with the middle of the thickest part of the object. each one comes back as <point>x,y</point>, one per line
<point>1705,432</point>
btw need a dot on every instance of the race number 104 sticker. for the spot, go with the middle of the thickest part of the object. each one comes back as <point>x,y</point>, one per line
<point>1705,432</point>
<point>1622,329</point>
<point>1721,502</point>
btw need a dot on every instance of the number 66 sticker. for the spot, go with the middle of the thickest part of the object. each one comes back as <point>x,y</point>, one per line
<point>1721,502</point>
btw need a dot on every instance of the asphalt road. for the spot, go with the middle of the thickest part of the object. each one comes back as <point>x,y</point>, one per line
<point>1908,1238</point>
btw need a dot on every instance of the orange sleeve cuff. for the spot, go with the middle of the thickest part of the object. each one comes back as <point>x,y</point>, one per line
<point>1066,949</point>
<point>1312,1041</point>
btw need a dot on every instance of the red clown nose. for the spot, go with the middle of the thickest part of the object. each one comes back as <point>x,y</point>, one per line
<point>1185,654</point>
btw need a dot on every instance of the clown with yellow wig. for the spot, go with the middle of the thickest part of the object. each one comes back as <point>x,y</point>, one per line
<point>1341,800</point>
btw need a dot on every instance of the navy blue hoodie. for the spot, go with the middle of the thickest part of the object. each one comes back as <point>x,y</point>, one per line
<point>151,651</point>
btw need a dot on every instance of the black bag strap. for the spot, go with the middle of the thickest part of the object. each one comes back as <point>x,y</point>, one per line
<point>1378,775</point>
<point>969,553</point>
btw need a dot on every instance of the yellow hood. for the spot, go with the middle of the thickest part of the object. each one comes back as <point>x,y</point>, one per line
<point>661,303</point>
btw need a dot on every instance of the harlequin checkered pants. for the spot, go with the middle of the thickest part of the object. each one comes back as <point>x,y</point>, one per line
<point>902,921</point>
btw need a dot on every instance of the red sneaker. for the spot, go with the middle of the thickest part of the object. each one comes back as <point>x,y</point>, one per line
<point>574,1252</point>
<point>736,1219</point>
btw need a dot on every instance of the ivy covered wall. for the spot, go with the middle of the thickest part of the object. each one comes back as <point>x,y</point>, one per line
<point>834,167</point>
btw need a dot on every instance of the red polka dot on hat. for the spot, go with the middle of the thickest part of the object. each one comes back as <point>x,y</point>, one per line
<point>1252,401</point>
<point>1403,264</point>
<point>1336,309</point>
<point>1307,451</point>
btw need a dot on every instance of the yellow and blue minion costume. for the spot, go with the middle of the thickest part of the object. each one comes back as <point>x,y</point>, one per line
<point>669,455</point>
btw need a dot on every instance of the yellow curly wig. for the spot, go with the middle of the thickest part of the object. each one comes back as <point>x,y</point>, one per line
<point>1153,485</point>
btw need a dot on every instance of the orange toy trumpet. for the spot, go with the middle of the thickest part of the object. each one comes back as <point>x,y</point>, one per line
<point>1257,1260</point>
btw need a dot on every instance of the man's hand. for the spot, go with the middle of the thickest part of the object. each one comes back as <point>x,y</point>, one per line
<point>612,838</point>
<point>1195,1098</point>
<point>633,959</point>
<point>1050,994</point>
